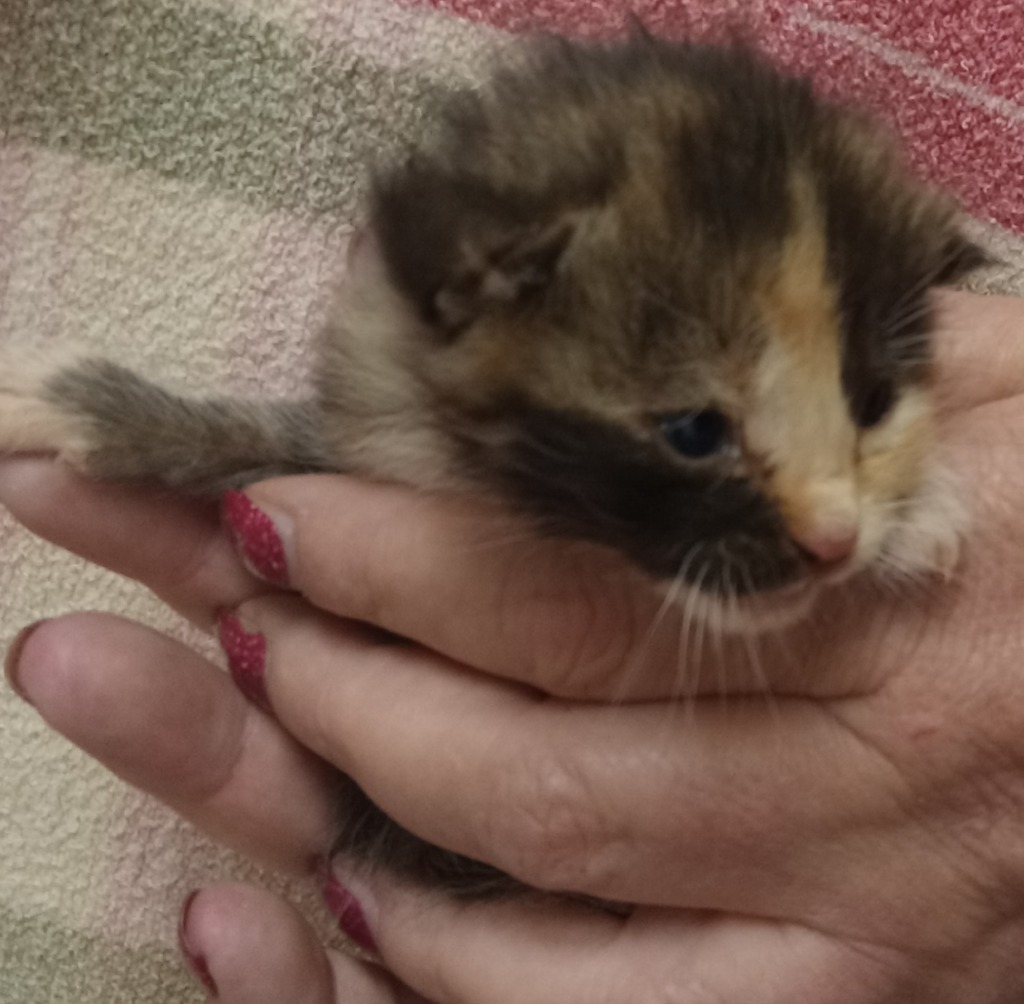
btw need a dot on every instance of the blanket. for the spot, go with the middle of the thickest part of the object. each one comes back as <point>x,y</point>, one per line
<point>178,179</point>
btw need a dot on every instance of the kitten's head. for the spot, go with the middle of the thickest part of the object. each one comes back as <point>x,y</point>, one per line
<point>665,299</point>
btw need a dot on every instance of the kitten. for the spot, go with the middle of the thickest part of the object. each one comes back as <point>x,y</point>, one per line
<point>655,295</point>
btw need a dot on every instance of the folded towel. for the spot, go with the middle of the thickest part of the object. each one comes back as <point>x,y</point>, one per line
<point>177,184</point>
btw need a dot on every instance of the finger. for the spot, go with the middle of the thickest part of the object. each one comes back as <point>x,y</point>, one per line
<point>565,617</point>
<point>168,722</point>
<point>548,952</point>
<point>546,614</point>
<point>980,343</point>
<point>247,946</point>
<point>173,545</point>
<point>718,806</point>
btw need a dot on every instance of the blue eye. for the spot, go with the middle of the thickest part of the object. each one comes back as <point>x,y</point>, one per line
<point>696,434</point>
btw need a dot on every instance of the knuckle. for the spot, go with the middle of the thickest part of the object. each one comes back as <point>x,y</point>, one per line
<point>197,568</point>
<point>582,626</point>
<point>361,586</point>
<point>548,825</point>
<point>594,657</point>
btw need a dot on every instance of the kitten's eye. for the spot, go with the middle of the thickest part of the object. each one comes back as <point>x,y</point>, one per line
<point>696,434</point>
<point>876,404</point>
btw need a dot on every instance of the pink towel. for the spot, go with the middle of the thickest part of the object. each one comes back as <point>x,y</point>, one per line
<point>949,74</point>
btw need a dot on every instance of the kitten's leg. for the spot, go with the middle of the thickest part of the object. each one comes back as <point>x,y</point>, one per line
<point>369,838</point>
<point>116,426</point>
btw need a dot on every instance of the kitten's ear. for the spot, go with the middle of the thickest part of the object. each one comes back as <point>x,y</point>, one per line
<point>457,250</point>
<point>515,269</point>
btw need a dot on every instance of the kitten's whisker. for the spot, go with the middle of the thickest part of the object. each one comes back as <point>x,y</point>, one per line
<point>918,343</point>
<point>696,615</point>
<point>569,485</point>
<point>718,627</point>
<point>670,600</point>
<point>685,683</point>
<point>686,668</point>
<point>905,314</point>
<point>761,681</point>
<point>908,301</point>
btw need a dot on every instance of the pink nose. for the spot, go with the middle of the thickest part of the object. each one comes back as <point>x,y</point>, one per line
<point>828,545</point>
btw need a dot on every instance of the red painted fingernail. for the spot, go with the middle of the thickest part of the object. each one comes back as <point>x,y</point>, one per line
<point>257,537</point>
<point>247,658</point>
<point>14,656</point>
<point>351,919</point>
<point>196,960</point>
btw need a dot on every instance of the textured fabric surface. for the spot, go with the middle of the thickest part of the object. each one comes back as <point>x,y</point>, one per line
<point>177,184</point>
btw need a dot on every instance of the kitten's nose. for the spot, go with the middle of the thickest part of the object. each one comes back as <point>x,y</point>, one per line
<point>823,519</point>
<point>827,544</point>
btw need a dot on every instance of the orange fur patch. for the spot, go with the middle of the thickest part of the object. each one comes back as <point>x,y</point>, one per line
<point>798,422</point>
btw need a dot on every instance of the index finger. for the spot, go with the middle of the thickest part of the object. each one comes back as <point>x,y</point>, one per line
<point>469,582</point>
<point>173,545</point>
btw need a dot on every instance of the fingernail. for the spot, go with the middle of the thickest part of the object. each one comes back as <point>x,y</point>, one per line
<point>349,913</point>
<point>14,657</point>
<point>257,537</point>
<point>247,658</point>
<point>196,960</point>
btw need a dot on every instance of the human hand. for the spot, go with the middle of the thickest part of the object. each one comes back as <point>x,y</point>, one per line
<point>855,835</point>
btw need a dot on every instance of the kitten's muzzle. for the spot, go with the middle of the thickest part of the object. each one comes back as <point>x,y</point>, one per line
<point>821,517</point>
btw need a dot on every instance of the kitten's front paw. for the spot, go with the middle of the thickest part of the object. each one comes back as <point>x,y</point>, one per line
<point>31,416</point>
<point>930,538</point>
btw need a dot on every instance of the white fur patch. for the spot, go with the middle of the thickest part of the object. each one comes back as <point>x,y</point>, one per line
<point>928,537</point>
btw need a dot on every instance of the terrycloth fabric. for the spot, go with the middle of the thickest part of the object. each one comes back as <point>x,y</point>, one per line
<point>177,183</point>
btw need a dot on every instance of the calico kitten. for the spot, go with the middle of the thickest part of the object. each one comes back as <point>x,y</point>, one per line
<point>653,295</point>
